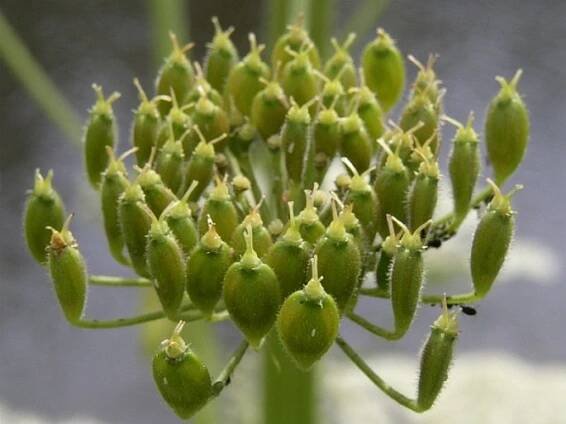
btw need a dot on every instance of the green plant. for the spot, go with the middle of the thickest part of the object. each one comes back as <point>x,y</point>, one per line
<point>393,183</point>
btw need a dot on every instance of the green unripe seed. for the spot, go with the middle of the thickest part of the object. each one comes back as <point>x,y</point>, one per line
<point>261,237</point>
<point>68,272</point>
<point>157,195</point>
<point>298,79</point>
<point>363,200</point>
<point>309,222</point>
<point>221,58</point>
<point>423,194</point>
<point>426,81</point>
<point>491,241</point>
<point>464,167</point>
<point>175,126</point>
<point>295,140</point>
<point>289,258</point>
<point>506,129</point>
<point>269,108</point>
<point>44,208</point>
<point>100,131</point>
<point>340,65</point>
<point>170,165</point>
<point>308,322</point>
<point>206,268</point>
<point>135,222</point>
<point>221,210</point>
<point>369,111</point>
<point>202,88</point>
<point>181,377</point>
<point>145,127</point>
<point>436,358</point>
<point>339,262</point>
<point>176,74</point>
<point>355,143</point>
<point>384,70</point>
<point>180,221</point>
<point>251,294</point>
<point>212,121</point>
<point>242,137</point>
<point>244,81</point>
<point>421,110</point>
<point>295,39</point>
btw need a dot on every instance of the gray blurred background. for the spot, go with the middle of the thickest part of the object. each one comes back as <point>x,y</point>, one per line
<point>58,373</point>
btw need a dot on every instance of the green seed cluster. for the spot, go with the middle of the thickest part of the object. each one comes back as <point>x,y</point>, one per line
<point>193,219</point>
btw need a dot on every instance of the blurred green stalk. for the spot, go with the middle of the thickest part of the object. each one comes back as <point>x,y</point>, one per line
<point>165,16</point>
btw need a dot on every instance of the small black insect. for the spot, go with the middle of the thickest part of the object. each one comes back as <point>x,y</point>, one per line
<point>434,243</point>
<point>468,310</point>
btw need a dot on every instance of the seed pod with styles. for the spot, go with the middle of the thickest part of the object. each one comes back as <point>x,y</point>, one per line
<point>406,279</point>
<point>222,56</point>
<point>298,79</point>
<point>352,225</point>
<point>294,39</point>
<point>202,88</point>
<point>68,272</point>
<point>44,208</point>
<point>170,164</point>
<point>180,221</point>
<point>436,357</point>
<point>200,167</point>
<point>242,137</point>
<point>251,294</point>
<point>114,183</point>
<point>368,109</point>
<point>309,222</point>
<point>175,74</point>
<point>491,240</point>
<point>340,65</point>
<point>391,186</point>
<point>221,210</point>
<point>384,70</point>
<point>135,222</point>
<point>326,136</point>
<point>261,237</point>
<point>181,377</point>
<point>355,143</point>
<point>295,140</point>
<point>157,195</point>
<point>420,109</point>
<point>388,250</point>
<point>146,125</point>
<point>423,194</point>
<point>308,322</point>
<point>464,166</point>
<point>100,131</point>
<point>244,81</point>
<point>289,258</point>
<point>175,125</point>
<point>269,107</point>
<point>339,261</point>
<point>506,129</point>
<point>206,268</point>
<point>426,81</point>
<point>332,95</point>
<point>211,120</point>
<point>167,267</point>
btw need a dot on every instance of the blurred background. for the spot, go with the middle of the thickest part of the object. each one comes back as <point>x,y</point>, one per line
<point>511,358</point>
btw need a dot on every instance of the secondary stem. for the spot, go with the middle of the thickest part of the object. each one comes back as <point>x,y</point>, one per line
<point>226,374</point>
<point>111,281</point>
<point>374,329</point>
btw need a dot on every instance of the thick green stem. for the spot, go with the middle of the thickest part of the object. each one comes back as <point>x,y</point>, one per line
<point>376,379</point>
<point>320,21</point>
<point>37,83</point>
<point>165,16</point>
<point>276,16</point>
<point>226,374</point>
<point>364,18</point>
<point>110,281</point>
<point>374,329</point>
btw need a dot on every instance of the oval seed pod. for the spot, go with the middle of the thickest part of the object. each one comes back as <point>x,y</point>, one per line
<point>308,322</point>
<point>135,222</point>
<point>436,357</point>
<point>221,58</point>
<point>100,131</point>
<point>339,262</point>
<point>426,81</point>
<point>269,108</point>
<point>251,294</point>
<point>423,194</point>
<point>506,129</point>
<point>261,237</point>
<point>340,65</point>
<point>309,222</point>
<point>221,210</point>
<point>200,167</point>
<point>146,126</point>
<point>298,78</point>
<point>491,240</point>
<point>114,183</point>
<point>170,164</point>
<point>407,275</point>
<point>175,125</point>
<point>289,258</point>
<point>181,377</point>
<point>211,120</point>
<point>167,266</point>
<point>332,94</point>
<point>326,136</point>
<point>295,140</point>
<point>420,109</point>
<point>355,144</point>
<point>384,70</point>
<point>68,272</point>
<point>157,195</point>
<point>391,187</point>
<point>464,167</point>
<point>176,75</point>
<point>388,250</point>
<point>202,88</point>
<point>244,81</point>
<point>353,226</point>
<point>179,218</point>
<point>242,137</point>
<point>368,109</point>
<point>206,268</point>
<point>44,208</point>
<point>363,200</point>
<point>294,39</point>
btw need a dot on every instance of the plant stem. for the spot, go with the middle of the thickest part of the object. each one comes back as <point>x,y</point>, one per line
<point>111,281</point>
<point>374,292</point>
<point>165,16</point>
<point>376,379</point>
<point>225,375</point>
<point>37,83</point>
<point>456,299</point>
<point>374,329</point>
<point>364,18</point>
<point>320,20</point>
<point>276,15</point>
